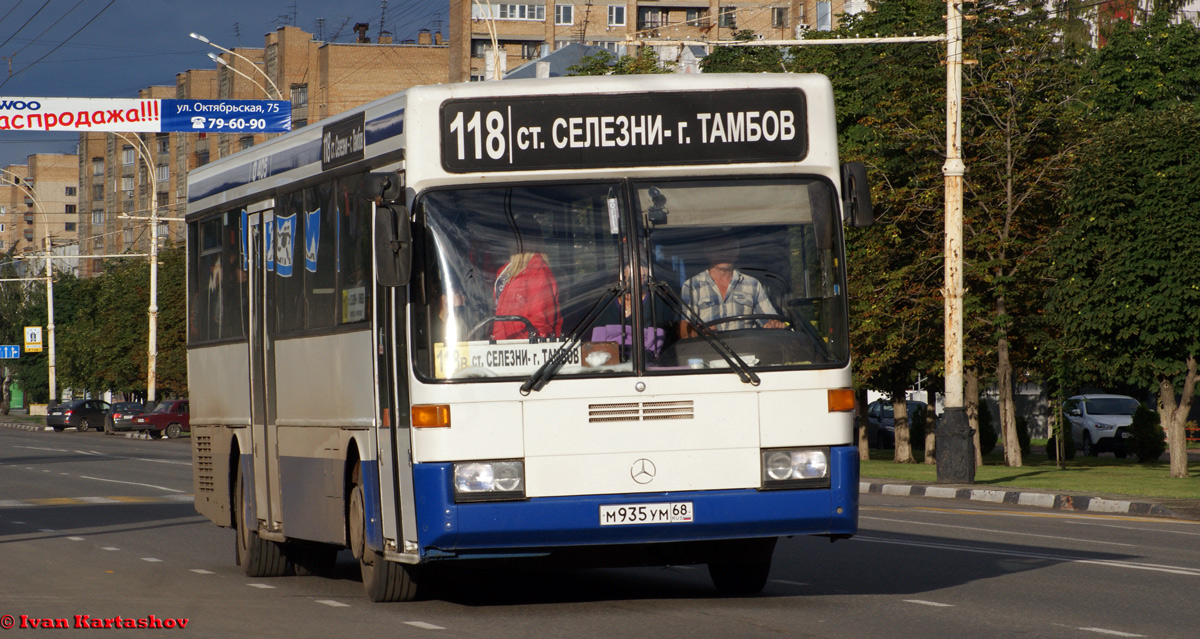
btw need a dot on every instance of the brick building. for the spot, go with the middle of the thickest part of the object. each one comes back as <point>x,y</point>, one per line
<point>320,80</point>
<point>527,31</point>
<point>52,178</point>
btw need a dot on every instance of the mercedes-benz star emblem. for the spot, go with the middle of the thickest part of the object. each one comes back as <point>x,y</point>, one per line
<point>642,471</point>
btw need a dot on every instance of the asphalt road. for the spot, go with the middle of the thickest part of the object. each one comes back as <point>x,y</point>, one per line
<point>103,527</point>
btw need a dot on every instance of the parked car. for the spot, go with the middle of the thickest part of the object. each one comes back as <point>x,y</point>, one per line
<point>169,418</point>
<point>120,416</point>
<point>80,414</point>
<point>881,421</point>
<point>1100,423</point>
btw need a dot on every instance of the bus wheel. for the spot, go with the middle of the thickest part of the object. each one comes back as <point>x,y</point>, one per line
<point>258,557</point>
<point>743,567</point>
<point>382,579</point>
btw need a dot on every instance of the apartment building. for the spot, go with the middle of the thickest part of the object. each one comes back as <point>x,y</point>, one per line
<point>37,198</point>
<point>487,35</point>
<point>320,80</point>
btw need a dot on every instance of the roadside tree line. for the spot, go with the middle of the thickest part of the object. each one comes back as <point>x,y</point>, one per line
<point>101,328</point>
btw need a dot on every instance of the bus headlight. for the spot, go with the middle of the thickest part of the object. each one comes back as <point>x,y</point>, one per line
<point>489,480</point>
<point>795,468</point>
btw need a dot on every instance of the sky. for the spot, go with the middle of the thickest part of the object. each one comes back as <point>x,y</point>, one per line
<point>113,48</point>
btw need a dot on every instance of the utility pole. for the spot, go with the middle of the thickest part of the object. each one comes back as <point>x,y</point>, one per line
<point>954,444</point>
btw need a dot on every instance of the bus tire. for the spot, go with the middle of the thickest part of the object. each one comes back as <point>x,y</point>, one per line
<point>258,557</point>
<point>383,580</point>
<point>743,567</point>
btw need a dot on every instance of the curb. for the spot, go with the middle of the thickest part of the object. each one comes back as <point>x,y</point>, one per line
<point>1082,503</point>
<point>38,427</point>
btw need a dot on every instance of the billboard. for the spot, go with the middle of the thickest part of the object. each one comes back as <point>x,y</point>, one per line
<point>145,116</point>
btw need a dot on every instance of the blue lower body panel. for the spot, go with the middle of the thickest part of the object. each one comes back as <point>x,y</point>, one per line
<point>447,528</point>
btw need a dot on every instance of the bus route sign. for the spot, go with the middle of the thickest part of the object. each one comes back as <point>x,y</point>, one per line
<point>663,128</point>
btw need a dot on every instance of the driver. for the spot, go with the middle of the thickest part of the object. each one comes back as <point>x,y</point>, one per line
<point>722,291</point>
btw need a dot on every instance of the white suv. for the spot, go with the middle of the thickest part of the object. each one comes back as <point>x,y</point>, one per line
<point>1100,422</point>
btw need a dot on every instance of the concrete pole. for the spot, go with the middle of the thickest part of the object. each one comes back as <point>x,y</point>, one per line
<point>50,356</point>
<point>152,340</point>
<point>955,454</point>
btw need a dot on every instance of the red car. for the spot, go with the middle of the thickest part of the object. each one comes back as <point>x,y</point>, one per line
<point>169,418</point>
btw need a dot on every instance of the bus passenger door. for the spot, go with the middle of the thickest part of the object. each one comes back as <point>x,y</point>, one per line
<point>262,368</point>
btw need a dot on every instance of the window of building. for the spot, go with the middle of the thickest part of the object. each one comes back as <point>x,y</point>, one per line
<point>28,235</point>
<point>163,173</point>
<point>779,17</point>
<point>127,156</point>
<point>697,17</point>
<point>97,217</point>
<point>531,50</point>
<point>479,48</point>
<point>70,209</point>
<point>69,227</point>
<point>164,143</point>
<point>616,15</point>
<point>727,18</point>
<point>299,95</point>
<point>97,191</point>
<point>508,11</point>
<point>97,166</point>
<point>71,190</point>
<point>564,14</point>
<point>651,18</point>
<point>246,141</point>
<point>127,185</point>
<point>299,122</point>
<point>824,15</point>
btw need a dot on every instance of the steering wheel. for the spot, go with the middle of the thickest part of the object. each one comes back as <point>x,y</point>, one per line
<point>477,332</point>
<point>747,317</point>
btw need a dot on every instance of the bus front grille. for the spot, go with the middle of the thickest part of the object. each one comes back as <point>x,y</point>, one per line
<point>640,411</point>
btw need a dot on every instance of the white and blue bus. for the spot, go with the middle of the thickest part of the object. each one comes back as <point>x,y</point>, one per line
<point>414,329</point>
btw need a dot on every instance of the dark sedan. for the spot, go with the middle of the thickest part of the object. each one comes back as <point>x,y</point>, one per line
<point>80,414</point>
<point>120,416</point>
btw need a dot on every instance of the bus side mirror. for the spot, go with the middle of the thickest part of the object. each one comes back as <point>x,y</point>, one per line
<point>856,195</point>
<point>393,245</point>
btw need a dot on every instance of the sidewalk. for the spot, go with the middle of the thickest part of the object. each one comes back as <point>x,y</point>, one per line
<point>1083,502</point>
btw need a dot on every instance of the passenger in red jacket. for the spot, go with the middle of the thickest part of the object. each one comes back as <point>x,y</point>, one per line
<point>526,287</point>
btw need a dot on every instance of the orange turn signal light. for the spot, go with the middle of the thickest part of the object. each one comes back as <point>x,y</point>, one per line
<point>431,416</point>
<point>841,400</point>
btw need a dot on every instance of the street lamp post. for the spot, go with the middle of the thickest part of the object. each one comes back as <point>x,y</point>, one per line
<point>152,339</point>
<point>15,180</point>
<point>278,95</point>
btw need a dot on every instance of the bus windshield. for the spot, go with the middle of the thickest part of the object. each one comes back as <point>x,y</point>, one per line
<point>742,273</point>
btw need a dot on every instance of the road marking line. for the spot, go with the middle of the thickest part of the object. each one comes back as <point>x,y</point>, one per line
<point>55,450</point>
<point>423,625</point>
<point>46,530</point>
<point>995,531</point>
<point>19,523</point>
<point>1175,570</point>
<point>262,586</point>
<point>133,483</point>
<point>75,538</point>
<point>332,603</point>
<point>151,560</point>
<point>929,603</point>
<point>109,548</point>
<point>201,571</point>
<point>789,583</point>
<point>1115,633</point>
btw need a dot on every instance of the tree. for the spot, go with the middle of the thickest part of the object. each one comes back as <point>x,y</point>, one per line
<point>1021,108</point>
<point>643,61</point>
<point>1127,292</point>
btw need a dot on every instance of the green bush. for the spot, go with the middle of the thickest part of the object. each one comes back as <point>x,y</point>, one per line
<point>1148,441</point>
<point>987,432</point>
<point>1023,434</point>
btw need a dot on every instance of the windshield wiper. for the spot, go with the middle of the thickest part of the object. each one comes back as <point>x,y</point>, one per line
<point>542,375</point>
<point>731,357</point>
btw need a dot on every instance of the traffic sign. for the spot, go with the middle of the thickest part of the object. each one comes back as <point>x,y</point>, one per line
<point>33,339</point>
<point>10,352</point>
